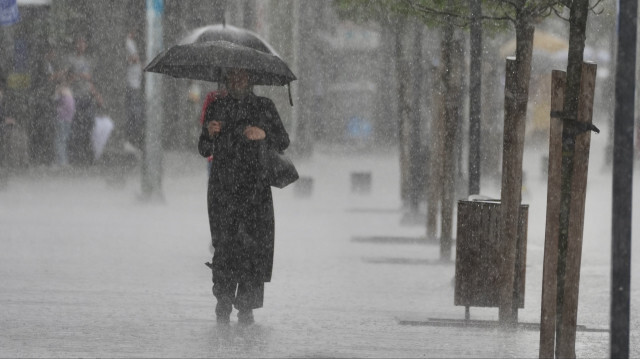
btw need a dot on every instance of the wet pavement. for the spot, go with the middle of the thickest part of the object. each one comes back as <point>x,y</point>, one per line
<point>89,271</point>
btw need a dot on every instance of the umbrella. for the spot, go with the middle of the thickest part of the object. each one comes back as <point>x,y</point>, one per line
<point>208,60</point>
<point>229,33</point>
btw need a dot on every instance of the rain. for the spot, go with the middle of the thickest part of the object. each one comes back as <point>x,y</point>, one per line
<point>408,136</point>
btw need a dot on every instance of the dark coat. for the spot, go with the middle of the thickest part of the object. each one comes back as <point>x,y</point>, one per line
<point>239,200</point>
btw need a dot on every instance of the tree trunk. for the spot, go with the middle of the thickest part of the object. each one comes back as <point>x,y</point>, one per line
<point>475,95</point>
<point>550,262</point>
<point>414,136</point>
<point>306,57</point>
<point>386,106</point>
<point>453,77</point>
<point>436,140</point>
<point>403,78</point>
<point>515,108</point>
<point>577,34</point>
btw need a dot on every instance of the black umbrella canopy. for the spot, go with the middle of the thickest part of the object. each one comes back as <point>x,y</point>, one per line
<point>208,61</point>
<point>231,34</point>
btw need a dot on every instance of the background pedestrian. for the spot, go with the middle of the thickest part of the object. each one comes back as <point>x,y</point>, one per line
<point>41,128</point>
<point>133,95</point>
<point>65,111</point>
<point>87,98</point>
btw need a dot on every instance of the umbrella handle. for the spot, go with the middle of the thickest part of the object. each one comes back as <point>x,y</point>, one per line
<point>290,98</point>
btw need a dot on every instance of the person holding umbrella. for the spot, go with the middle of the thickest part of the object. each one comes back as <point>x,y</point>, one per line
<point>244,133</point>
<point>236,129</point>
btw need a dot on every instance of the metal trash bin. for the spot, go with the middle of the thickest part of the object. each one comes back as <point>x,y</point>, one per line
<point>478,244</point>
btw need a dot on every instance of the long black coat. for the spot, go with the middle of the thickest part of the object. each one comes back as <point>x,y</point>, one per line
<point>239,200</point>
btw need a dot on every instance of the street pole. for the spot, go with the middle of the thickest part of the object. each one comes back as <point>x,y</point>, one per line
<point>152,156</point>
<point>623,178</point>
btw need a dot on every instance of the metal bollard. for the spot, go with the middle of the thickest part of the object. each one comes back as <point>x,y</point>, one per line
<point>361,182</point>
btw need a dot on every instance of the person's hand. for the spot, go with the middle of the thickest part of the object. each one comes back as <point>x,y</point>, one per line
<point>214,127</point>
<point>254,133</point>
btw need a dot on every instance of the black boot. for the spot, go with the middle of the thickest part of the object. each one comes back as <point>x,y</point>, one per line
<point>245,317</point>
<point>224,293</point>
<point>223,312</point>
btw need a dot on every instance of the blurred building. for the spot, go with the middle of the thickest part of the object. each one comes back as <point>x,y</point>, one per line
<point>337,97</point>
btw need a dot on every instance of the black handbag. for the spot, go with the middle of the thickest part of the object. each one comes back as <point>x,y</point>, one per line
<point>279,171</point>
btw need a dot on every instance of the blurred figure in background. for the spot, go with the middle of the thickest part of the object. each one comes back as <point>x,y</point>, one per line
<point>133,96</point>
<point>42,125</point>
<point>87,98</point>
